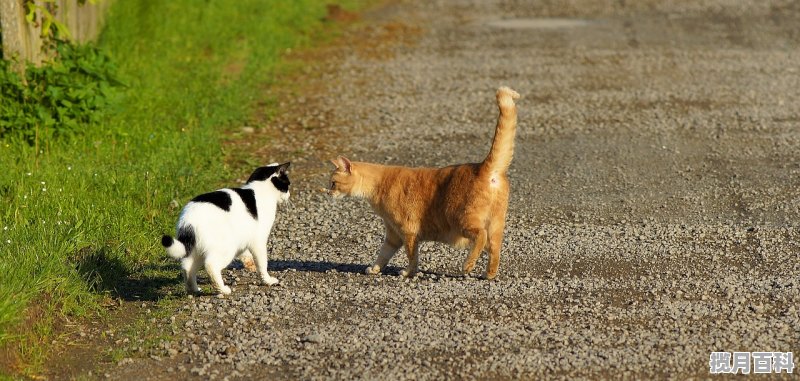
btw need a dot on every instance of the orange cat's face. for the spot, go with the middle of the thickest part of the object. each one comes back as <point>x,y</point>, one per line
<point>342,178</point>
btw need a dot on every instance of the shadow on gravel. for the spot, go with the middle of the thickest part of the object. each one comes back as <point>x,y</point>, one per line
<point>322,267</point>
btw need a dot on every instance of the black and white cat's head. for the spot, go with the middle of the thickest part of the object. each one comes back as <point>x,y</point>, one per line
<point>274,175</point>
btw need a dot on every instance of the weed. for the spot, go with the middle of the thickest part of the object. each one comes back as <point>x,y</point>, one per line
<point>73,91</point>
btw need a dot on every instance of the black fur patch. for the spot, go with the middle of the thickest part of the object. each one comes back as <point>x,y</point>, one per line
<point>281,182</point>
<point>186,237</point>
<point>166,241</point>
<point>219,198</point>
<point>248,196</point>
<point>262,173</point>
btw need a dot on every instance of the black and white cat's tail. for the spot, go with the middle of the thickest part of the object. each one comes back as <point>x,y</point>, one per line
<point>175,248</point>
<point>182,246</point>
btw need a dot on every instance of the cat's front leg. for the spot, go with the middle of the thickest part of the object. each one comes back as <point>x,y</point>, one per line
<point>412,249</point>
<point>390,246</point>
<point>215,273</point>
<point>260,257</point>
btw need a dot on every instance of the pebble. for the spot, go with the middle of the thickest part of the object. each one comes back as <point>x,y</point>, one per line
<point>313,339</point>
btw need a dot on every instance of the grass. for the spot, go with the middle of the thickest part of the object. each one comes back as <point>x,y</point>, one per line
<point>79,215</point>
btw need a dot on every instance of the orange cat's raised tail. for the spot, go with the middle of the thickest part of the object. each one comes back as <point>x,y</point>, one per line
<point>499,158</point>
<point>464,205</point>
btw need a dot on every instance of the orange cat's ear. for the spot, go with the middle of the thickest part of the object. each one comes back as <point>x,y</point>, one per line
<point>346,164</point>
<point>342,164</point>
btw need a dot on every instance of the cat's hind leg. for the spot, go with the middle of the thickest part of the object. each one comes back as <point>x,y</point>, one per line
<point>412,251</point>
<point>496,226</point>
<point>495,243</point>
<point>190,266</point>
<point>260,257</point>
<point>391,244</point>
<point>479,237</point>
<point>214,271</point>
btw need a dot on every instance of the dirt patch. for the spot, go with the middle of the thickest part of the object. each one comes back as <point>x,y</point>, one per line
<point>84,347</point>
<point>84,344</point>
<point>66,333</point>
<point>303,124</point>
<point>543,23</point>
<point>338,14</point>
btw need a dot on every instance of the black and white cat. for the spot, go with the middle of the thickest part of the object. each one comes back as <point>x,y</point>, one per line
<point>216,227</point>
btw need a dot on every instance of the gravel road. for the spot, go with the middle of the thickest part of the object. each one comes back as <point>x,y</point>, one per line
<point>654,199</point>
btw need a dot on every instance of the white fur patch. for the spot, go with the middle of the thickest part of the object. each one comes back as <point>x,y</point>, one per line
<point>222,235</point>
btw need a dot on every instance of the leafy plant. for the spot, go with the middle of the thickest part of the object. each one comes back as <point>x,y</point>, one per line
<point>54,100</point>
<point>49,21</point>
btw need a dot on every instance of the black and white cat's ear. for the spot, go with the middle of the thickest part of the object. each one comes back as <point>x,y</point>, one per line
<point>260,174</point>
<point>263,173</point>
<point>283,168</point>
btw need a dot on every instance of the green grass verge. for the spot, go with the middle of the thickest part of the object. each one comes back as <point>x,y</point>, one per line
<point>79,215</point>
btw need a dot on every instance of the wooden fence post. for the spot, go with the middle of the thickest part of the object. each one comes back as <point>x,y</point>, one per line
<point>21,39</point>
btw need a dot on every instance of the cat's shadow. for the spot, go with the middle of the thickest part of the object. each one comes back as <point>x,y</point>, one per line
<point>155,282</point>
<point>324,266</point>
<point>160,283</point>
<point>106,273</point>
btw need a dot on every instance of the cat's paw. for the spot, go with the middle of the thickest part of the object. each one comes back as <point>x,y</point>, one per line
<point>225,290</point>
<point>468,268</point>
<point>408,273</point>
<point>270,281</point>
<point>373,270</point>
<point>194,291</point>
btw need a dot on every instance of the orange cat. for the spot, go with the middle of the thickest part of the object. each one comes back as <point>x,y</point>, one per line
<point>461,205</point>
